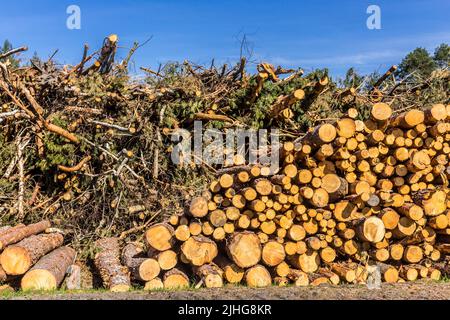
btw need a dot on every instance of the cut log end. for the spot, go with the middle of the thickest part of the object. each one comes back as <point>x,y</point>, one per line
<point>15,260</point>
<point>38,280</point>
<point>258,276</point>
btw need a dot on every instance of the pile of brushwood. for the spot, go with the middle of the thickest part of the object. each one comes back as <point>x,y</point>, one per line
<point>88,146</point>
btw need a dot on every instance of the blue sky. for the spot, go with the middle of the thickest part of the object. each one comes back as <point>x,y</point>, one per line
<point>305,34</point>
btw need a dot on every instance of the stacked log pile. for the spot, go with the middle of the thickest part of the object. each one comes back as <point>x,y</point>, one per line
<point>348,196</point>
<point>35,255</point>
<point>90,144</point>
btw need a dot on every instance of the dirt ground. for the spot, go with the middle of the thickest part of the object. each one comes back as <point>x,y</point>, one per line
<point>404,291</point>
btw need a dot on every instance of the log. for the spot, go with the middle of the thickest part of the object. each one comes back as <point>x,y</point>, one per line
<point>381,111</point>
<point>210,274</point>
<point>199,207</point>
<point>433,203</point>
<point>370,229</point>
<point>140,268</point>
<point>408,119</point>
<point>299,278</point>
<point>320,198</point>
<point>8,229</point>
<point>438,112</point>
<point>272,253</point>
<point>412,254</point>
<point>244,249</point>
<point>154,284</point>
<point>389,273</point>
<point>322,134</point>
<point>333,278</point>
<point>231,272</point>
<point>336,186</point>
<point>344,271</point>
<point>409,273</point>
<point>160,236</point>
<point>257,276</point>
<point>48,273</point>
<point>115,276</point>
<point>199,250</point>
<point>20,257</point>
<point>307,262</point>
<point>73,278</point>
<point>16,234</point>
<point>390,218</point>
<point>175,279</point>
<point>167,259</point>
<point>346,127</point>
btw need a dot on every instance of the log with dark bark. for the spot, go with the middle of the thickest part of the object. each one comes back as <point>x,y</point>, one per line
<point>140,267</point>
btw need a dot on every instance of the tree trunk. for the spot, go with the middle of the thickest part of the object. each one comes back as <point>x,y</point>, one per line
<point>18,259</point>
<point>15,234</point>
<point>48,273</point>
<point>107,260</point>
<point>141,268</point>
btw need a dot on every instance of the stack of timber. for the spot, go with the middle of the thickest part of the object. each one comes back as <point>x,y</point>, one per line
<point>35,255</point>
<point>348,196</point>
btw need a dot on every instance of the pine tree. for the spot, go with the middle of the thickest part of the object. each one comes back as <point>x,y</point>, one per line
<point>418,61</point>
<point>7,46</point>
<point>442,55</point>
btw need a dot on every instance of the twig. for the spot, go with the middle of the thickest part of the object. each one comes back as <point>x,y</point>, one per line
<point>83,110</point>
<point>77,167</point>
<point>8,114</point>
<point>10,168</point>
<point>83,60</point>
<point>53,55</point>
<point>13,51</point>
<point>121,166</point>
<point>212,117</point>
<point>21,144</point>
<point>109,125</point>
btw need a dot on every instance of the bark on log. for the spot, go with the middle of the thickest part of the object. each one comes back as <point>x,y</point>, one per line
<point>115,276</point>
<point>141,268</point>
<point>175,279</point>
<point>48,273</point>
<point>210,274</point>
<point>15,234</point>
<point>73,278</point>
<point>19,258</point>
